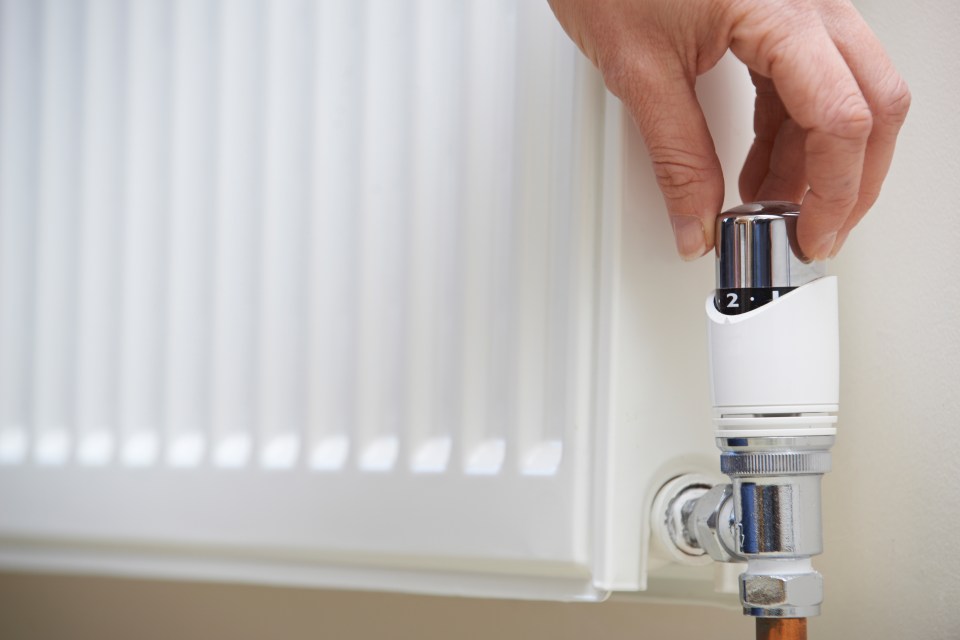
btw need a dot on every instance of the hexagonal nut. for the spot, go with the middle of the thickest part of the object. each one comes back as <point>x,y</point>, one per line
<point>775,591</point>
<point>712,517</point>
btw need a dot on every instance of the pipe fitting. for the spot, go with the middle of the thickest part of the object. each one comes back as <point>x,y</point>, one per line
<point>776,494</point>
<point>769,515</point>
<point>712,524</point>
<point>772,595</point>
<point>672,507</point>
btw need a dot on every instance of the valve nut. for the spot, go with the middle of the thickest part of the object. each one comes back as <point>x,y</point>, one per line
<point>713,524</point>
<point>789,595</point>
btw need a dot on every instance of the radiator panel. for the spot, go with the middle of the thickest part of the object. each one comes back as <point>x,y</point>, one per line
<point>294,282</point>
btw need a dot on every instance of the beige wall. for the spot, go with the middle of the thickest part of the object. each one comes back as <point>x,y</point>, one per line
<point>892,505</point>
<point>100,608</point>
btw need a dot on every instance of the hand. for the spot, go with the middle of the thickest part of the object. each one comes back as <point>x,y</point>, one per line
<point>828,109</point>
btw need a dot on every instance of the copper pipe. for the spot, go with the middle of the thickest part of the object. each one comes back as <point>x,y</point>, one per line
<point>781,629</point>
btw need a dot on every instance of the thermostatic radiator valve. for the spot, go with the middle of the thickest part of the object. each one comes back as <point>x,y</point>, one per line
<point>774,359</point>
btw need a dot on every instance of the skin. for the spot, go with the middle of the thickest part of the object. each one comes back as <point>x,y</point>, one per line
<point>828,109</point>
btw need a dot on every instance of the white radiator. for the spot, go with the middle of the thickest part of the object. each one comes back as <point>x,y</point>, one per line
<point>326,293</point>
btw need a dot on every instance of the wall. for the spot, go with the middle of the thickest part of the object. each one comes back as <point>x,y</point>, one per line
<point>891,567</point>
<point>893,501</point>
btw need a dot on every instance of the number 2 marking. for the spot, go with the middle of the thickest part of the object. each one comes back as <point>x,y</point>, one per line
<point>732,301</point>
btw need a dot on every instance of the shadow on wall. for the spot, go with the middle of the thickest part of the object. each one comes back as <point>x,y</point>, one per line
<point>82,608</point>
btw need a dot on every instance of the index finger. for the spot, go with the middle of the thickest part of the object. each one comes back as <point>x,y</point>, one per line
<point>792,47</point>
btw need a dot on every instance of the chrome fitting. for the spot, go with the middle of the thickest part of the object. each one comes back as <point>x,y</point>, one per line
<point>776,493</point>
<point>711,524</point>
<point>672,509</point>
<point>693,521</point>
<point>768,516</point>
<point>771,595</point>
<point>776,496</point>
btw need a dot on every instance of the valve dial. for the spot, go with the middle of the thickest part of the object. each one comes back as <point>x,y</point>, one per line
<point>758,256</point>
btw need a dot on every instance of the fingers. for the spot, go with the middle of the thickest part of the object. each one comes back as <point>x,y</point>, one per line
<point>685,163</point>
<point>828,109</point>
<point>821,94</point>
<point>835,80</point>
<point>785,179</point>
<point>642,64</point>
<point>768,115</point>
<point>774,167</point>
<point>885,92</point>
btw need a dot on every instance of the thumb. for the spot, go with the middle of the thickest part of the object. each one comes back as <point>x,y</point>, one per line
<point>684,159</point>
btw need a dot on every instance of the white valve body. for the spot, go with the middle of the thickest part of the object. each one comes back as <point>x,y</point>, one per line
<point>782,358</point>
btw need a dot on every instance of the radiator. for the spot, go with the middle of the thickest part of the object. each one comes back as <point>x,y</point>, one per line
<point>322,293</point>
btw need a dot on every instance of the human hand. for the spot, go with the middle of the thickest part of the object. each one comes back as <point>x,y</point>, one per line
<point>828,109</point>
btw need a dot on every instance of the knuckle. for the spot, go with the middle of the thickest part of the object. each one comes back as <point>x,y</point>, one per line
<point>677,171</point>
<point>775,30</point>
<point>636,71</point>
<point>842,198</point>
<point>775,46</point>
<point>894,104</point>
<point>777,181</point>
<point>867,197</point>
<point>619,71</point>
<point>850,118</point>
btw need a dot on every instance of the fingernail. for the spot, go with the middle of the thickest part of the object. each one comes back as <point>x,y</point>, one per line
<point>838,244</point>
<point>690,236</point>
<point>825,247</point>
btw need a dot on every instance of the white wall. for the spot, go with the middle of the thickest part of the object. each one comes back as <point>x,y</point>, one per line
<point>892,504</point>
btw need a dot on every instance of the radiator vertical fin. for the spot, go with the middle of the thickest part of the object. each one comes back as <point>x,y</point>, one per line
<point>189,258</point>
<point>238,218</point>
<point>384,200</point>
<point>20,85</point>
<point>54,358</point>
<point>283,308</point>
<point>334,234</point>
